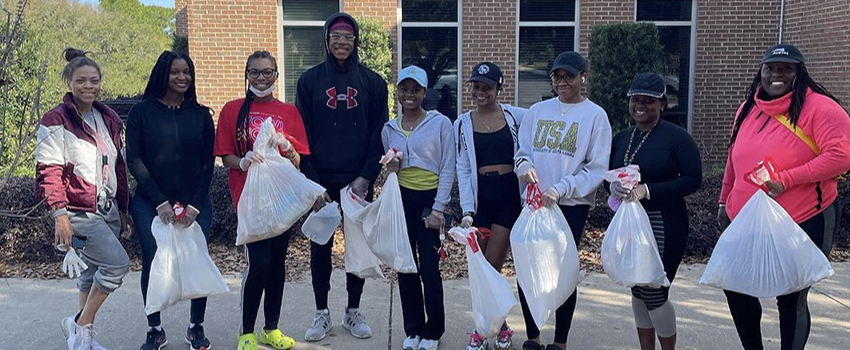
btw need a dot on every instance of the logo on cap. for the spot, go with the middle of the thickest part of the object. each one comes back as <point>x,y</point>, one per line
<point>780,51</point>
<point>483,69</point>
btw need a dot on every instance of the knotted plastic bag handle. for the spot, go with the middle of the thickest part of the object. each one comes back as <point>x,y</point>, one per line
<point>533,196</point>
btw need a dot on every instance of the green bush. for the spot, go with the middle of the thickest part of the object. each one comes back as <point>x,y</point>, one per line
<point>619,52</point>
<point>376,52</point>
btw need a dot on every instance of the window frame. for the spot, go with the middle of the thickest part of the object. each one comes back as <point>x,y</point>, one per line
<point>282,44</point>
<point>399,48</point>
<point>575,24</point>
<point>693,50</point>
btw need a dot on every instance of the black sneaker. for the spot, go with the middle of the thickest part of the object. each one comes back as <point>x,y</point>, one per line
<point>155,340</point>
<point>196,339</point>
<point>531,345</point>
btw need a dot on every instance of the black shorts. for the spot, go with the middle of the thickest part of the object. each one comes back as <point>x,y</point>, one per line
<point>499,200</point>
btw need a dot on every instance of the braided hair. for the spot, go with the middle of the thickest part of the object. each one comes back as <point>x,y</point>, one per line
<point>158,82</point>
<point>800,87</point>
<point>243,128</point>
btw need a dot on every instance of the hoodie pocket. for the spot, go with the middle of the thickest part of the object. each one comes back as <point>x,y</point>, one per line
<point>340,154</point>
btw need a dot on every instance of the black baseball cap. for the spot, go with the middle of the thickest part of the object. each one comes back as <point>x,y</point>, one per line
<point>783,53</point>
<point>570,61</point>
<point>648,84</point>
<point>487,73</point>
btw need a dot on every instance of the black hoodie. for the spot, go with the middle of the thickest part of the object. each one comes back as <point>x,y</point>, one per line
<point>344,108</point>
<point>170,151</point>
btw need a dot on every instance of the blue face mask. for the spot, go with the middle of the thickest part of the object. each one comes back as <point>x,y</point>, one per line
<point>262,93</point>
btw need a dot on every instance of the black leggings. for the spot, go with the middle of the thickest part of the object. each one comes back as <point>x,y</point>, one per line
<point>576,218</point>
<point>794,317</point>
<point>416,305</point>
<point>321,264</point>
<point>266,272</point>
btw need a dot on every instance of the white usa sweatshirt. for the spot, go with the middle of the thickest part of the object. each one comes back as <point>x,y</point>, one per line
<point>569,152</point>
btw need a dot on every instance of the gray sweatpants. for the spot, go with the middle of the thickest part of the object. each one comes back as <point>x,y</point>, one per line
<point>105,256</point>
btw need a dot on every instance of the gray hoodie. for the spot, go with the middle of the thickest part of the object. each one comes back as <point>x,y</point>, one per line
<point>430,147</point>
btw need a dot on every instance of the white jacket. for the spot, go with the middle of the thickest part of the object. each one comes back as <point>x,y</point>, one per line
<point>467,167</point>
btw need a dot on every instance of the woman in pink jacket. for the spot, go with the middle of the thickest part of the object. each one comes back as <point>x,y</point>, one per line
<point>806,187</point>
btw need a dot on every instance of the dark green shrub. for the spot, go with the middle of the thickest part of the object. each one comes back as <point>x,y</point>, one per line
<point>619,52</point>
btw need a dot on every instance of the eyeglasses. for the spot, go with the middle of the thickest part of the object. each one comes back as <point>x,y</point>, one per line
<point>567,78</point>
<point>338,37</point>
<point>268,73</point>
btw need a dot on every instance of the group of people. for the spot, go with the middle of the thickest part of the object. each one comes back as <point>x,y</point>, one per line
<point>337,131</point>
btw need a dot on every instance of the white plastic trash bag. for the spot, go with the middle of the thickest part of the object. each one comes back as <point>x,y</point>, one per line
<point>359,259</point>
<point>629,251</point>
<point>492,296</point>
<point>182,268</point>
<point>764,253</point>
<point>545,258</point>
<point>385,228</point>
<point>320,225</point>
<point>276,194</point>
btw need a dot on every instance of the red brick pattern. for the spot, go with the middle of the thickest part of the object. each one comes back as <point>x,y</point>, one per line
<point>731,37</point>
<point>224,33</point>
<point>489,34</point>
<point>820,28</point>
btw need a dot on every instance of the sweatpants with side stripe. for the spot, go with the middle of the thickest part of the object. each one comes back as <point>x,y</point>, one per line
<point>266,273</point>
<point>794,316</point>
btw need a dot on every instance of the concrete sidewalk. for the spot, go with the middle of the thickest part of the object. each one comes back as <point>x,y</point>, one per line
<point>30,311</point>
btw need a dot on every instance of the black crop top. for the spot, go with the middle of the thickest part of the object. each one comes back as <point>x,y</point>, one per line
<point>494,148</point>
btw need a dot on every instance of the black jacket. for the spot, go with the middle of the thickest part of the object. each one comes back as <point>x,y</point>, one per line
<point>344,108</point>
<point>170,151</point>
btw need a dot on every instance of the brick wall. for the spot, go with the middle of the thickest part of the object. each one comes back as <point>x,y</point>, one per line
<point>821,30</point>
<point>489,34</point>
<point>596,12</point>
<point>182,14</point>
<point>731,38</point>
<point>224,33</point>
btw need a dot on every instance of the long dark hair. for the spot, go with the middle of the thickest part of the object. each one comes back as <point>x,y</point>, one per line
<point>242,128</point>
<point>802,83</point>
<point>158,82</point>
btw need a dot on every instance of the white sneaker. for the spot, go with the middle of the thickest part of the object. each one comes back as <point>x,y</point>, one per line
<point>81,338</point>
<point>355,322</point>
<point>321,325</point>
<point>411,343</point>
<point>68,325</point>
<point>429,344</point>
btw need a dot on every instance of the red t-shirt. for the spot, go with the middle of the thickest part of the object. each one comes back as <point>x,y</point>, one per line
<point>285,118</point>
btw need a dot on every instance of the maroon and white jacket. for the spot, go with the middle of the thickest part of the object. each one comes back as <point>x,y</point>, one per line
<point>66,156</point>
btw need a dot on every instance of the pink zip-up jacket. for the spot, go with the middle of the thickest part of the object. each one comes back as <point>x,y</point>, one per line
<point>809,181</point>
<point>63,138</point>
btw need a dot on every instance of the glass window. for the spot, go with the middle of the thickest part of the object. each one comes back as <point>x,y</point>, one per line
<point>303,49</point>
<point>676,72</point>
<point>664,10</point>
<point>429,10</point>
<point>434,48</point>
<point>309,10</point>
<point>547,10</point>
<point>303,45</point>
<point>546,28</point>
<point>538,46</point>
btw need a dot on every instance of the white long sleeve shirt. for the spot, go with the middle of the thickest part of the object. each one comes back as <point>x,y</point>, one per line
<point>569,152</point>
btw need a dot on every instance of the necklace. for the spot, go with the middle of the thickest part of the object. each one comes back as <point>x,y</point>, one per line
<point>415,122</point>
<point>480,117</point>
<point>627,160</point>
<point>571,106</point>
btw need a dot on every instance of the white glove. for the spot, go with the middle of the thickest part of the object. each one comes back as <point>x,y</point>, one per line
<point>279,140</point>
<point>73,265</point>
<point>466,222</point>
<point>550,197</point>
<point>525,171</point>
<point>248,159</point>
